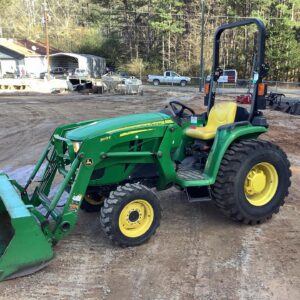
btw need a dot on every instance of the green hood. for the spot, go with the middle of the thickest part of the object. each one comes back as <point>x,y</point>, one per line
<point>118,124</point>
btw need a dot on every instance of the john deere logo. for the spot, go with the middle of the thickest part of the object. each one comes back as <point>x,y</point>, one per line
<point>88,162</point>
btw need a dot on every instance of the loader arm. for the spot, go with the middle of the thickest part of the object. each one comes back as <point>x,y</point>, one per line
<point>26,234</point>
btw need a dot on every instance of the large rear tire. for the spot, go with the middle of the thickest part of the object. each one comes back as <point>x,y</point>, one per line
<point>252,181</point>
<point>130,215</point>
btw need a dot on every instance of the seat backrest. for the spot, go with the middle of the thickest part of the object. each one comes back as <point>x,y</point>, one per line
<point>221,113</point>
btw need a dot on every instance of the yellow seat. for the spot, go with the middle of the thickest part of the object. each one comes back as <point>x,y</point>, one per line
<point>221,114</point>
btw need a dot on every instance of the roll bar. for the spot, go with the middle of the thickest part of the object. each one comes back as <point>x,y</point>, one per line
<point>258,102</point>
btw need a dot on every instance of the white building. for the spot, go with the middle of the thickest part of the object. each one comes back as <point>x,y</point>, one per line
<point>18,60</point>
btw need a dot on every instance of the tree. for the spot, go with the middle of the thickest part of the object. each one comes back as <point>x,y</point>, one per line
<point>168,22</point>
<point>161,34</point>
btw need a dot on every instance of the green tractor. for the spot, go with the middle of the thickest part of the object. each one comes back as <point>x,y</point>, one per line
<point>114,164</point>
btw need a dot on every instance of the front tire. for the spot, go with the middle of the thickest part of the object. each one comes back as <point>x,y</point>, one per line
<point>130,215</point>
<point>252,182</point>
<point>92,202</point>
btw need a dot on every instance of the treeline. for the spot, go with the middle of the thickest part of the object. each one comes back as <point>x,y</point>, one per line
<point>149,36</point>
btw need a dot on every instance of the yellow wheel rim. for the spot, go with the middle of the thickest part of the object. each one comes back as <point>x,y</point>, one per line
<point>136,218</point>
<point>92,200</point>
<point>261,184</point>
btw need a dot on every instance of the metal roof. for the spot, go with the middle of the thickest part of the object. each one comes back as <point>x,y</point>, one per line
<point>17,48</point>
<point>37,47</point>
<point>76,55</point>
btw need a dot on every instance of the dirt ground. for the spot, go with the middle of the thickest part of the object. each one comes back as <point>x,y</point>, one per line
<point>197,253</point>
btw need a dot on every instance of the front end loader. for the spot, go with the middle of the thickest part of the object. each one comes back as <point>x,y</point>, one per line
<point>112,165</point>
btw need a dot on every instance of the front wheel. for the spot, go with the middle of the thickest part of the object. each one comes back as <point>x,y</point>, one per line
<point>92,202</point>
<point>252,182</point>
<point>130,215</point>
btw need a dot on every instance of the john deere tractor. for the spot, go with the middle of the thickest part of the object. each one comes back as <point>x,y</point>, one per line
<point>115,164</point>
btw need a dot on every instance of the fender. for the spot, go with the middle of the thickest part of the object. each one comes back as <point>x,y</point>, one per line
<point>226,135</point>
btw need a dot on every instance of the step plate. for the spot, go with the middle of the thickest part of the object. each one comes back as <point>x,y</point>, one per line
<point>190,174</point>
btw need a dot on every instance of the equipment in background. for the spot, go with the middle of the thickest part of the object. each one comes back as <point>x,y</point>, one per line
<point>278,101</point>
<point>128,85</point>
<point>294,108</point>
<point>243,99</point>
<point>246,98</point>
<point>274,99</point>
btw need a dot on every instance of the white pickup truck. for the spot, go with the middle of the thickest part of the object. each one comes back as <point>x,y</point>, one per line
<point>169,77</point>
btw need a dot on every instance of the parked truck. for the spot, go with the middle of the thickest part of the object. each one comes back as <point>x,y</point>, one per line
<point>169,77</point>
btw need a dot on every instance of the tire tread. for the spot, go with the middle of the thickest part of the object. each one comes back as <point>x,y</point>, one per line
<point>222,189</point>
<point>115,199</point>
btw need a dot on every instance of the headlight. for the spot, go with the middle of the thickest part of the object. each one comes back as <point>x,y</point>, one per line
<point>76,146</point>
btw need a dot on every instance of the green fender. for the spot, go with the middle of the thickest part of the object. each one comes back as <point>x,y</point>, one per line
<point>224,138</point>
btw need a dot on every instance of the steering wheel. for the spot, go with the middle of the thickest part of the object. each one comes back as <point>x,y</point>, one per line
<point>179,112</point>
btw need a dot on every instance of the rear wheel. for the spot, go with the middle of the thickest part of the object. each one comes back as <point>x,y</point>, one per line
<point>130,215</point>
<point>252,182</point>
<point>156,82</point>
<point>183,83</point>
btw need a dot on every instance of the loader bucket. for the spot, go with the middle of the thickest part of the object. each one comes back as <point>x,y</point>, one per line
<point>24,248</point>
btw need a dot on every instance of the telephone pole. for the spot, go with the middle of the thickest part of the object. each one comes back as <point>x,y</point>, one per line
<point>45,19</point>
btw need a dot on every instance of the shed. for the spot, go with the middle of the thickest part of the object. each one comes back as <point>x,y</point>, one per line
<point>94,65</point>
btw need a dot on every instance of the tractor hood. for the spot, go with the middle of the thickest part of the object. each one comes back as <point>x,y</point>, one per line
<point>110,126</point>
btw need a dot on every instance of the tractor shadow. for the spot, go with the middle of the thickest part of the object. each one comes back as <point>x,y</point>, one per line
<point>175,206</point>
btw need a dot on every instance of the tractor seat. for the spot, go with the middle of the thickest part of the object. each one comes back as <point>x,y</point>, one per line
<point>221,114</point>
